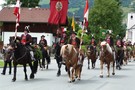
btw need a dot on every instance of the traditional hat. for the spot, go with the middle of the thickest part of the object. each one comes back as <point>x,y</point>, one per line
<point>27,28</point>
<point>74,33</point>
<point>43,36</point>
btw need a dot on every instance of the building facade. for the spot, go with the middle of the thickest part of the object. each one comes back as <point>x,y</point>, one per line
<point>130,33</point>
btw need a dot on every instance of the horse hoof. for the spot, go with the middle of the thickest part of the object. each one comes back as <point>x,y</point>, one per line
<point>31,76</point>
<point>108,75</point>
<point>58,74</point>
<point>88,68</point>
<point>13,80</point>
<point>26,79</point>
<point>101,76</point>
<point>73,80</point>
<point>79,79</point>
<point>113,73</point>
<point>69,81</point>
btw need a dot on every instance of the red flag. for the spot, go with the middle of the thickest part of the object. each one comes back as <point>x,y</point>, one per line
<point>58,11</point>
<point>17,14</point>
<point>86,13</point>
<point>17,11</point>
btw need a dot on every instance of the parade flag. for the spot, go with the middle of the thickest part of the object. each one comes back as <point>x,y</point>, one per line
<point>58,11</point>
<point>17,14</point>
<point>86,13</point>
<point>73,23</point>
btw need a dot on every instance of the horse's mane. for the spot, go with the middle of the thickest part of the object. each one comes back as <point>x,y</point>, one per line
<point>69,46</point>
<point>107,46</point>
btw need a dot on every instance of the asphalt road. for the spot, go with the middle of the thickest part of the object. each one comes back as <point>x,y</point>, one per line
<point>47,79</point>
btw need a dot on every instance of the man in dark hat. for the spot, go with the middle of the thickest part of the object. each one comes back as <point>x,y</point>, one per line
<point>75,41</point>
<point>63,39</point>
<point>43,45</point>
<point>26,40</point>
<point>93,43</point>
<point>109,40</point>
<point>43,42</point>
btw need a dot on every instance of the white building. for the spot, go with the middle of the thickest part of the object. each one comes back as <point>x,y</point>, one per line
<point>130,33</point>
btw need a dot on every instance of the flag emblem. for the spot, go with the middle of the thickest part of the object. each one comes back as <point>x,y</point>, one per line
<point>58,6</point>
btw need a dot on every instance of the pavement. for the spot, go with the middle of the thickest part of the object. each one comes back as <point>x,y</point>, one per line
<point>90,80</point>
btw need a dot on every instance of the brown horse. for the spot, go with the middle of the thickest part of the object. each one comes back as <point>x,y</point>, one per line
<point>70,55</point>
<point>91,55</point>
<point>106,57</point>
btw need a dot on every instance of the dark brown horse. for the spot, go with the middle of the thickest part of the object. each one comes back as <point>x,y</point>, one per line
<point>91,55</point>
<point>70,55</point>
<point>22,56</point>
<point>106,57</point>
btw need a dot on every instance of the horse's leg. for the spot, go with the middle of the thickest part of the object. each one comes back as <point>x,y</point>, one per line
<point>15,70</point>
<point>25,71</point>
<point>113,73</point>
<point>39,63</point>
<point>101,69</point>
<point>35,66</point>
<point>47,63</point>
<point>32,71</point>
<point>79,73</point>
<point>73,73</point>
<point>88,63</point>
<point>59,67</point>
<point>108,69</point>
<point>68,70</point>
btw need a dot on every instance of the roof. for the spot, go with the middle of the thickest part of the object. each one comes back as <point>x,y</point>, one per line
<point>27,15</point>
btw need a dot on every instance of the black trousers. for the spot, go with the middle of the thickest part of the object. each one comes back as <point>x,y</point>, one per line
<point>5,67</point>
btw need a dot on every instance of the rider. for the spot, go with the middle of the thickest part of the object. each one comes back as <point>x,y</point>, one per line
<point>43,45</point>
<point>93,43</point>
<point>75,41</point>
<point>109,40</point>
<point>26,40</point>
<point>120,53</point>
<point>63,39</point>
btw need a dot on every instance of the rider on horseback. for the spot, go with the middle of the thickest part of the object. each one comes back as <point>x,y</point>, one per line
<point>94,44</point>
<point>26,40</point>
<point>75,41</point>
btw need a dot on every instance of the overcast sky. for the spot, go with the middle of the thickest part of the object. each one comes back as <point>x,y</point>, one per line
<point>1,2</point>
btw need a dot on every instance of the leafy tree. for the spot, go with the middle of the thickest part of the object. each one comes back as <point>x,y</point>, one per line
<point>106,14</point>
<point>25,3</point>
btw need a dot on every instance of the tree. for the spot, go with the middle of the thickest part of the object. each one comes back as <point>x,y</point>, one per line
<point>107,15</point>
<point>25,3</point>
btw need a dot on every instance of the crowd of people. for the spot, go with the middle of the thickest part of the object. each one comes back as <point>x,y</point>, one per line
<point>26,40</point>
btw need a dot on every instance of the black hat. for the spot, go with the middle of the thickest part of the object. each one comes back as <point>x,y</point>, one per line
<point>42,36</point>
<point>93,38</point>
<point>74,33</point>
<point>27,29</point>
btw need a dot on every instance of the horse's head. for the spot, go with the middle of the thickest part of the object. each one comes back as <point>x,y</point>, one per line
<point>90,49</point>
<point>66,51</point>
<point>15,43</point>
<point>105,47</point>
<point>55,47</point>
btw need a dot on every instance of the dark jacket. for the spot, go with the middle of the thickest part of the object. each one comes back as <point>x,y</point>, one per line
<point>43,43</point>
<point>28,39</point>
<point>77,40</point>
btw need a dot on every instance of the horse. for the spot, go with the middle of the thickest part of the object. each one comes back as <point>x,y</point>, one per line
<point>56,48</point>
<point>45,56</point>
<point>7,54</point>
<point>70,56</point>
<point>91,55</point>
<point>106,57</point>
<point>22,56</point>
<point>119,57</point>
